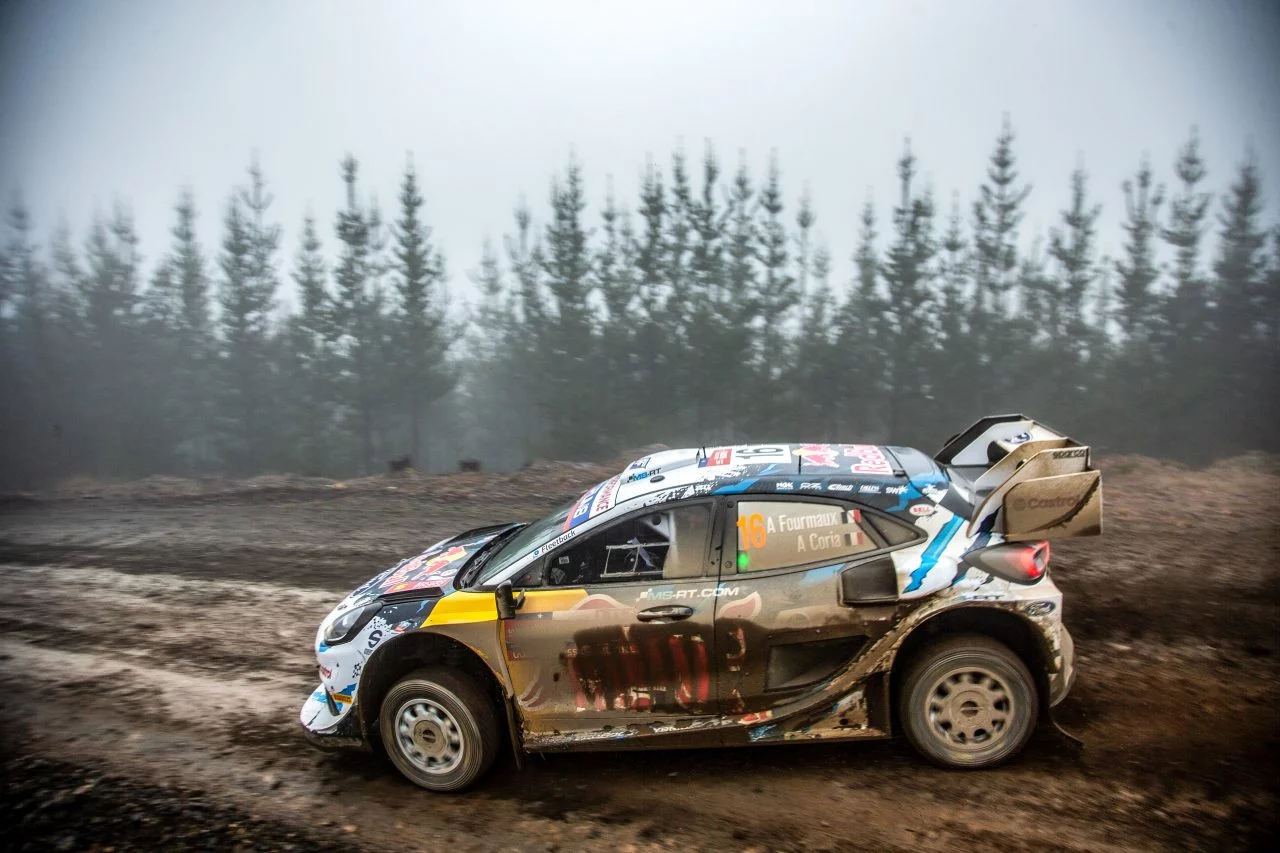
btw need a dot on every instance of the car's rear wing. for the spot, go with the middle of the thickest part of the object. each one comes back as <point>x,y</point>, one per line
<point>1028,480</point>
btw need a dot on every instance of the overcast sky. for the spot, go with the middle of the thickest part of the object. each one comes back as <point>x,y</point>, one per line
<point>137,98</point>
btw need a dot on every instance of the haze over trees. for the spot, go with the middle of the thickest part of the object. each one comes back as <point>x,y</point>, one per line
<point>701,312</point>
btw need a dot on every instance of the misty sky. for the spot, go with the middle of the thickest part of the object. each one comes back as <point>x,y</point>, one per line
<point>137,98</point>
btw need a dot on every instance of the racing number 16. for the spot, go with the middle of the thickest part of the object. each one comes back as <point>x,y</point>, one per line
<point>751,530</point>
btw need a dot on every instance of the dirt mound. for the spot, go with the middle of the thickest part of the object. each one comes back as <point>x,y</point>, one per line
<point>541,479</point>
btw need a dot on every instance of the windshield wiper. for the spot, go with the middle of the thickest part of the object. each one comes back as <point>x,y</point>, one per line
<point>485,554</point>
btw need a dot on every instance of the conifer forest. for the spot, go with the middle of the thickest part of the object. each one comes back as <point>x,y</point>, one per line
<point>704,311</point>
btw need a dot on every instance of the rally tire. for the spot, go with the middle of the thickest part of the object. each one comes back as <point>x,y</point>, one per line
<point>968,702</point>
<point>439,728</point>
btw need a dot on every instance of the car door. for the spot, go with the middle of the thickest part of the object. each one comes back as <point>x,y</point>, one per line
<point>808,585</point>
<point>616,628</point>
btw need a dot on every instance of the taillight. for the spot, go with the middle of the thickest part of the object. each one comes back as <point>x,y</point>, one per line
<point>1016,562</point>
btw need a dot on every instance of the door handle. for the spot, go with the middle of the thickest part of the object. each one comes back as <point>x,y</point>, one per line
<point>670,611</point>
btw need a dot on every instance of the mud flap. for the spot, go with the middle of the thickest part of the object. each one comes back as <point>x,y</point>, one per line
<point>1064,741</point>
<point>517,750</point>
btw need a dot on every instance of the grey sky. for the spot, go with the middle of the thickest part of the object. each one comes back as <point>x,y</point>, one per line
<point>137,98</point>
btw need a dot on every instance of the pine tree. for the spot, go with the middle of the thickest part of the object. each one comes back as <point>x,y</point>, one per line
<point>908,275</point>
<point>359,323</point>
<point>953,357</point>
<point>862,336</point>
<point>1185,324</point>
<point>1138,272</point>
<point>1242,365</point>
<point>996,216</point>
<point>1072,246</point>
<point>249,281</point>
<point>312,387</point>
<point>570,404</point>
<point>113,382</point>
<point>424,372</point>
<point>653,335</point>
<point>710,358</point>
<point>193,358</point>
<point>776,302</point>
<point>615,278</point>
<point>532,343</point>
<point>27,354</point>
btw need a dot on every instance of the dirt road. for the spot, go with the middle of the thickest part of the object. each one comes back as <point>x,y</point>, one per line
<point>155,652</point>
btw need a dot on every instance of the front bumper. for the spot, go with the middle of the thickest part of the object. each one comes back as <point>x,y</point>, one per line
<point>1060,682</point>
<point>325,730</point>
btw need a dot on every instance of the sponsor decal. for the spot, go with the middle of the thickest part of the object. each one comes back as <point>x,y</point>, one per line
<point>923,509</point>
<point>1070,454</point>
<point>1020,438</point>
<point>934,492</point>
<point>744,608</point>
<point>1060,502</point>
<point>325,671</point>
<point>375,637</point>
<point>811,485</point>
<point>819,455</point>
<point>839,487</point>
<point>895,490</point>
<point>763,453</point>
<point>684,594</point>
<point>717,458</point>
<point>643,475</point>
<point>639,463</point>
<point>869,490</point>
<point>784,486</point>
<point>562,538</point>
<point>401,627</point>
<point>868,459</point>
<point>582,509</point>
<point>604,500</point>
<point>1039,608</point>
<point>425,571</point>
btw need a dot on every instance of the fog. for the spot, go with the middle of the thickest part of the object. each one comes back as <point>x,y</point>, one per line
<point>718,320</point>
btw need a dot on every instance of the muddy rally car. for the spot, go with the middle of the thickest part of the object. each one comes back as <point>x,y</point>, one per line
<point>729,596</point>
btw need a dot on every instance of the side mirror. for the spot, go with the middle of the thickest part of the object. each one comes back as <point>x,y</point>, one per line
<point>507,601</point>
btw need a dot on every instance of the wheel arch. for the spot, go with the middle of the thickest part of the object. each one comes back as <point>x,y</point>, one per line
<point>1000,624</point>
<point>408,652</point>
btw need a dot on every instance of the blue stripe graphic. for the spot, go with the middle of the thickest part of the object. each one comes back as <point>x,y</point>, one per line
<point>931,554</point>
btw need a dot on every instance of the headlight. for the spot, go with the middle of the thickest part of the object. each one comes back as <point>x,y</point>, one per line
<point>347,625</point>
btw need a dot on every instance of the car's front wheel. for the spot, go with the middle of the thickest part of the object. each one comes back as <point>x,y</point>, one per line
<point>439,728</point>
<point>968,702</point>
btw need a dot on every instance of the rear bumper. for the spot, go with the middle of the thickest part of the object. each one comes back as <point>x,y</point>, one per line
<point>325,731</point>
<point>1060,682</point>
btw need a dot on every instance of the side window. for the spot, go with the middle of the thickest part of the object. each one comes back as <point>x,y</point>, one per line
<point>776,534</point>
<point>661,545</point>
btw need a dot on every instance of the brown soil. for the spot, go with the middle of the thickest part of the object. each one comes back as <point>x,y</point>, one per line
<point>155,646</point>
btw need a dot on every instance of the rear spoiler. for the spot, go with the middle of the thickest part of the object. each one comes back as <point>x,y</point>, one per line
<point>1025,480</point>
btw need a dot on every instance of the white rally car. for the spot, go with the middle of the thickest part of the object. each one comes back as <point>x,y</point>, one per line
<point>729,596</point>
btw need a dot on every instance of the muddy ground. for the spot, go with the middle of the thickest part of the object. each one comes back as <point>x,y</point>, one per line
<point>155,646</point>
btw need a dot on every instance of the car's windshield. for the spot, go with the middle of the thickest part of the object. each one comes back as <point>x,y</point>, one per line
<point>536,534</point>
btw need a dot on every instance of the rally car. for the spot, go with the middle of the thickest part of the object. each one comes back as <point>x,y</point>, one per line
<point>724,596</point>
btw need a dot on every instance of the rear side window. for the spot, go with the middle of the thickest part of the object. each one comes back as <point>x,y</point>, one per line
<point>777,534</point>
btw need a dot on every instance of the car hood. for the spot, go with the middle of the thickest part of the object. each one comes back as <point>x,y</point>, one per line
<point>433,571</point>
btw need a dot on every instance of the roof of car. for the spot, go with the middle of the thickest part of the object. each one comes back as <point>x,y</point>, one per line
<point>836,470</point>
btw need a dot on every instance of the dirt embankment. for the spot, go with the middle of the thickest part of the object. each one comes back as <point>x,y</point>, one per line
<point>155,648</point>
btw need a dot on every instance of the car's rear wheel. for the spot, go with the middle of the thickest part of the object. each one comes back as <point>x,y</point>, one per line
<point>439,728</point>
<point>968,702</point>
